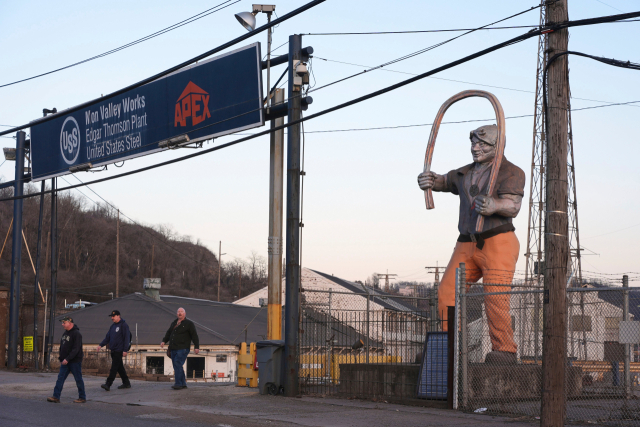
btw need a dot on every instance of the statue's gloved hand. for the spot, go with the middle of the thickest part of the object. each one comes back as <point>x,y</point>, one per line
<point>431,180</point>
<point>507,205</point>
<point>485,205</point>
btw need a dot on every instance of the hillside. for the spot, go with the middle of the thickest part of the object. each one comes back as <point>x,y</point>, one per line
<point>87,254</point>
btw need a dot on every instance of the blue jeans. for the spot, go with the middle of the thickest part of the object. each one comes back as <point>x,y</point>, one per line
<point>178,358</point>
<point>76,370</point>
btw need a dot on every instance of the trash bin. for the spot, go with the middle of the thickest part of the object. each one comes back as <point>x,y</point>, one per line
<point>270,358</point>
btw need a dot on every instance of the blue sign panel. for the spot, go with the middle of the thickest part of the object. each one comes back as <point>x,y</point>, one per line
<point>216,97</point>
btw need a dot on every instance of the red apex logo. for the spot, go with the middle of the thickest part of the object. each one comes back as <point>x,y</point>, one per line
<point>194,103</point>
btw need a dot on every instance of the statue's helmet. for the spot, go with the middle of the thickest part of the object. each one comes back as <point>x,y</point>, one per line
<point>487,134</point>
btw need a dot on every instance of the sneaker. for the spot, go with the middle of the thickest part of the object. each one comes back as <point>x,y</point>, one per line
<point>80,401</point>
<point>53,399</point>
<point>120,387</point>
<point>176,387</point>
<point>184,386</point>
<point>105,386</point>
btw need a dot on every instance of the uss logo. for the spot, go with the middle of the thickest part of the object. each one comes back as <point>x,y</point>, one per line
<point>194,104</point>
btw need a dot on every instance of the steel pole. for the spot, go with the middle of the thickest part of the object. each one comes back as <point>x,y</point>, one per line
<point>627,360</point>
<point>276,184</point>
<point>464,334</point>
<point>118,256</point>
<point>35,284</point>
<point>16,254</point>
<point>54,267</point>
<point>292,307</point>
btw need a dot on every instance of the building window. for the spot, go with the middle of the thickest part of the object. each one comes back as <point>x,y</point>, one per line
<point>221,358</point>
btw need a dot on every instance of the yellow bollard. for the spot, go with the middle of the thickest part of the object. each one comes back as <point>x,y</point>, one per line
<point>246,366</point>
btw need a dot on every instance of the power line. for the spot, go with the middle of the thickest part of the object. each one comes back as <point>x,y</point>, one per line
<point>556,27</point>
<point>419,31</point>
<point>443,31</point>
<point>427,49</point>
<point>456,81</point>
<point>133,43</point>
<point>463,121</point>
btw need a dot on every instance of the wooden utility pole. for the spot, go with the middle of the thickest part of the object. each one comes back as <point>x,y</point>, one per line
<point>118,256</point>
<point>556,243</point>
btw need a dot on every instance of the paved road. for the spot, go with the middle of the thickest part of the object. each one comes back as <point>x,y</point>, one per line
<point>23,403</point>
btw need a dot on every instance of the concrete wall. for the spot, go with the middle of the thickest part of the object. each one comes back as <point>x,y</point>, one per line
<point>379,379</point>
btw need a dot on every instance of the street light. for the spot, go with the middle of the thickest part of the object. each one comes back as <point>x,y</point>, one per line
<point>248,21</point>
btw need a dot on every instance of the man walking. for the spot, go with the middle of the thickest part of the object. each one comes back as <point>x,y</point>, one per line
<point>179,336</point>
<point>70,357</point>
<point>119,340</point>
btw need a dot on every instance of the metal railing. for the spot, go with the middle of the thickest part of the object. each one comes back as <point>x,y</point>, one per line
<point>366,344</point>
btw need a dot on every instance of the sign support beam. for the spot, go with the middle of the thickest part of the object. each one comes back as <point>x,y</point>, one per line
<point>16,252</point>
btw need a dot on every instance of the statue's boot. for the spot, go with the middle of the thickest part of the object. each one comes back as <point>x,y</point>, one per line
<point>501,358</point>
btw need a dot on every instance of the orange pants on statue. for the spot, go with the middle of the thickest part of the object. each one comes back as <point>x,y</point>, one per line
<point>495,264</point>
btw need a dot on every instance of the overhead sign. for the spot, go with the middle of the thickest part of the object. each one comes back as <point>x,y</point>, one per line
<point>216,97</point>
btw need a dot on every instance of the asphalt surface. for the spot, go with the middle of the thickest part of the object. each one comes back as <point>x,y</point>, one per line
<point>154,404</point>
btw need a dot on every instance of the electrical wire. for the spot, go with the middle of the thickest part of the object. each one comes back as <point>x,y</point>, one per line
<point>170,70</point>
<point>441,31</point>
<point>427,49</point>
<point>463,121</point>
<point>457,81</point>
<point>518,39</point>
<point>133,43</point>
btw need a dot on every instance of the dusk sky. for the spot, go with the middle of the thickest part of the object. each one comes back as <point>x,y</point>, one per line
<point>363,211</point>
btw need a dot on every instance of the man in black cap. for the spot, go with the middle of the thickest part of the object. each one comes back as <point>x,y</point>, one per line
<point>119,340</point>
<point>70,357</point>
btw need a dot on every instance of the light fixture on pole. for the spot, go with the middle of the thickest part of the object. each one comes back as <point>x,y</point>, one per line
<point>248,21</point>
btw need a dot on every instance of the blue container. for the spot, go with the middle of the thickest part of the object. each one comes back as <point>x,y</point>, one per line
<point>432,383</point>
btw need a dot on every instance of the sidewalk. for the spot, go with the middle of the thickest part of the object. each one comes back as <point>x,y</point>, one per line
<point>244,405</point>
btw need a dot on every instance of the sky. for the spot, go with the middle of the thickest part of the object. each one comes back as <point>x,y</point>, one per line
<point>363,211</point>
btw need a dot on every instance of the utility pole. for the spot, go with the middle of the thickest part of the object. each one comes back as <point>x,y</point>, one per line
<point>16,252</point>
<point>274,313</point>
<point>433,301</point>
<point>292,305</point>
<point>219,264</point>
<point>386,279</point>
<point>54,266</point>
<point>36,282</point>
<point>556,242</point>
<point>118,256</point>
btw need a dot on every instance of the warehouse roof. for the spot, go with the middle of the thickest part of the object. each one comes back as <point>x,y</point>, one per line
<point>217,323</point>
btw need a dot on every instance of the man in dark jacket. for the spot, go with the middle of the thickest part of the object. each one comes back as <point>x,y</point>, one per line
<point>70,357</point>
<point>119,340</point>
<point>179,336</point>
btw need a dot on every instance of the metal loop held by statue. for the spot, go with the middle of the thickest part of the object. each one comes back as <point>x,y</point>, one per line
<point>497,161</point>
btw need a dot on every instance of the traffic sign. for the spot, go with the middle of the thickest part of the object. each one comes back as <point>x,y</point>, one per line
<point>216,97</point>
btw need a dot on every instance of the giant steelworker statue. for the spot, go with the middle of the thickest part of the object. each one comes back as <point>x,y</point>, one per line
<point>492,253</point>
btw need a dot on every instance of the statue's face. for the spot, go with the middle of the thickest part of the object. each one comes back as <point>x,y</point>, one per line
<point>481,151</point>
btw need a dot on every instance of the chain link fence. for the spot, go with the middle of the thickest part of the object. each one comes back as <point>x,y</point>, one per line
<point>499,361</point>
<point>363,344</point>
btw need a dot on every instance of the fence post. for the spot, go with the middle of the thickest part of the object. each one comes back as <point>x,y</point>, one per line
<point>627,371</point>
<point>329,353</point>
<point>368,322</point>
<point>462,291</point>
